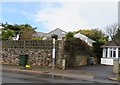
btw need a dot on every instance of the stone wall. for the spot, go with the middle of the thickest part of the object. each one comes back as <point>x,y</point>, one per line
<point>39,53</point>
<point>39,56</point>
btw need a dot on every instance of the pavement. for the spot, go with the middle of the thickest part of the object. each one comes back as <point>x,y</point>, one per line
<point>81,74</point>
<point>98,73</point>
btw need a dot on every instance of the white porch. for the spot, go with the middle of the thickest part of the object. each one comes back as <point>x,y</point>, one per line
<point>109,54</point>
<point>107,61</point>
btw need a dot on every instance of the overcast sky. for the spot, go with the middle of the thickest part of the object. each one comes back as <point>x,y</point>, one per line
<point>69,16</point>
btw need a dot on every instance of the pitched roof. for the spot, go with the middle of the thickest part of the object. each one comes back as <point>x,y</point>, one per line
<point>39,34</point>
<point>112,43</point>
<point>59,32</point>
<point>79,35</point>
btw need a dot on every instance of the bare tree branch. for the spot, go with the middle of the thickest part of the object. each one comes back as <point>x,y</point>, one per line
<point>111,30</point>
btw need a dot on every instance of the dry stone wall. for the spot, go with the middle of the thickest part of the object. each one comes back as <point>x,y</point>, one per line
<point>39,52</point>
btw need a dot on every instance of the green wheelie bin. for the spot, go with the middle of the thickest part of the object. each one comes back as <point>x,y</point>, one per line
<point>23,60</point>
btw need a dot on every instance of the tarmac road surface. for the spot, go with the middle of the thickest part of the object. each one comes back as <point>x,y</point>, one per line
<point>16,77</point>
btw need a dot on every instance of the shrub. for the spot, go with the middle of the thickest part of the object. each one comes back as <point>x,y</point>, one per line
<point>73,47</point>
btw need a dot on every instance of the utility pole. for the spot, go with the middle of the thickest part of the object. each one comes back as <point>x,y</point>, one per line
<point>53,54</point>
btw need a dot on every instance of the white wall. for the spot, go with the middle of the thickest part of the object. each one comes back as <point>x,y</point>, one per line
<point>106,61</point>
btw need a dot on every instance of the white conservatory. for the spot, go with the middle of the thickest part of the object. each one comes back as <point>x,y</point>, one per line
<point>111,51</point>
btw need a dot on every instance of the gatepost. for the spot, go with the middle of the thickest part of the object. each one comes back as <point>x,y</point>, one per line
<point>116,68</point>
<point>53,54</point>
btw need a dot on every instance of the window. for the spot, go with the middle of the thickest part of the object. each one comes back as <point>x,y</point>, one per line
<point>106,52</point>
<point>119,52</point>
<point>112,52</point>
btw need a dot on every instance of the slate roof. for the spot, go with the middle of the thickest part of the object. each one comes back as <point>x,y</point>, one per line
<point>39,34</point>
<point>113,43</point>
<point>61,33</point>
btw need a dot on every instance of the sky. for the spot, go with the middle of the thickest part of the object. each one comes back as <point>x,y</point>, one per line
<point>66,15</point>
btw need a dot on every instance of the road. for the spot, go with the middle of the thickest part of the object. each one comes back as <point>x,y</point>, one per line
<point>15,77</point>
<point>101,76</point>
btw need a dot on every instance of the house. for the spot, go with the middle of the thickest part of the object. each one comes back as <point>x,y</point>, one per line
<point>59,32</point>
<point>84,38</point>
<point>39,34</point>
<point>16,37</point>
<point>111,51</point>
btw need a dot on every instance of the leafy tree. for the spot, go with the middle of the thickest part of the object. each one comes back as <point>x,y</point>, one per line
<point>26,32</point>
<point>69,35</point>
<point>9,31</point>
<point>94,34</point>
<point>7,34</point>
<point>100,39</point>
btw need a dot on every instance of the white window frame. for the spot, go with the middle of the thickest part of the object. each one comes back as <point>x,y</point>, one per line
<point>111,52</point>
<point>104,52</point>
<point>114,50</point>
<point>118,52</point>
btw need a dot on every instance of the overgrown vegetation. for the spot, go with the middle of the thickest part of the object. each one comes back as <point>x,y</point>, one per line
<point>99,37</point>
<point>94,34</point>
<point>97,50</point>
<point>74,46</point>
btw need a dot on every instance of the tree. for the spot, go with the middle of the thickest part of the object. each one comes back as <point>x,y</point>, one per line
<point>25,30</point>
<point>69,35</point>
<point>111,30</point>
<point>100,39</point>
<point>94,34</point>
<point>7,34</point>
<point>117,35</point>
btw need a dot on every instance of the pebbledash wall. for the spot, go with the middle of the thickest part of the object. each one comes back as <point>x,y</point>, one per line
<point>39,52</point>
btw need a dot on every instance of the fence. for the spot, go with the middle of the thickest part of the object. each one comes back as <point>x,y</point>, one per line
<point>31,44</point>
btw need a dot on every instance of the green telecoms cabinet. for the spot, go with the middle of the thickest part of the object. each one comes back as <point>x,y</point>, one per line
<point>23,60</point>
